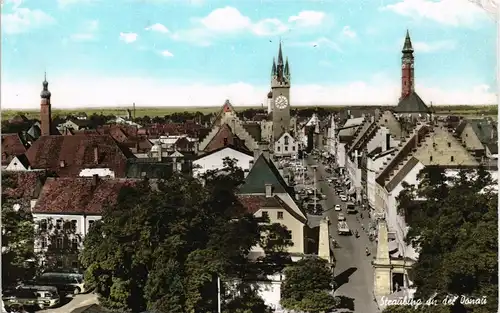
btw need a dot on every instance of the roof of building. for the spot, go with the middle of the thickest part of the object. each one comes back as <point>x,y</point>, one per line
<point>350,126</point>
<point>225,133</point>
<point>253,203</point>
<point>412,104</point>
<point>27,184</point>
<point>264,172</point>
<point>152,168</point>
<point>92,308</point>
<point>68,155</point>
<point>79,195</point>
<point>12,145</point>
<point>233,147</point>
<point>254,130</point>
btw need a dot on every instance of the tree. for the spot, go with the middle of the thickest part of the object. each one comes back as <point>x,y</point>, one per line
<point>307,286</point>
<point>164,243</point>
<point>19,262</point>
<point>455,231</point>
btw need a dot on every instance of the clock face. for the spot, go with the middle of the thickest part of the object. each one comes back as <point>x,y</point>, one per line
<point>281,102</point>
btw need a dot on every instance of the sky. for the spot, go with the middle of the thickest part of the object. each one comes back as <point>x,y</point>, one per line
<point>108,53</point>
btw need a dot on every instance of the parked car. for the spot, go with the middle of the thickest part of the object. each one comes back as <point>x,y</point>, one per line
<point>341,217</point>
<point>337,207</point>
<point>343,197</point>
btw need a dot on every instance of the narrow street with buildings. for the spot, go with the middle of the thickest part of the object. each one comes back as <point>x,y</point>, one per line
<point>353,269</point>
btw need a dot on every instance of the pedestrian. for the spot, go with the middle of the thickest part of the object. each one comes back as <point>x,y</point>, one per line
<point>361,215</point>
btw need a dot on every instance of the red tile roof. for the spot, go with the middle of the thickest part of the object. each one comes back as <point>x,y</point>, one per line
<point>27,184</point>
<point>70,195</point>
<point>12,145</point>
<point>253,203</point>
<point>68,155</point>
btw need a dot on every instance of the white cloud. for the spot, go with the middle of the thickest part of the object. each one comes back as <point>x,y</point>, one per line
<point>348,32</point>
<point>128,37</point>
<point>88,32</point>
<point>167,53</point>
<point>428,47</point>
<point>65,3</point>
<point>448,12</point>
<point>319,43</point>
<point>158,28</point>
<point>21,20</point>
<point>229,20</point>
<point>308,18</point>
<point>71,92</point>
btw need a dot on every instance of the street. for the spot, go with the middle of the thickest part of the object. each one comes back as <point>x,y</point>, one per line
<point>353,269</point>
<point>77,302</point>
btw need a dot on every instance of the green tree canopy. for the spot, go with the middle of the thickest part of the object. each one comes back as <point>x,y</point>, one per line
<point>307,286</point>
<point>453,224</point>
<point>164,243</point>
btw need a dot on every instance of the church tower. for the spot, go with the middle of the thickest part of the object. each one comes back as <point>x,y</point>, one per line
<point>45,109</point>
<point>280,100</point>
<point>407,68</point>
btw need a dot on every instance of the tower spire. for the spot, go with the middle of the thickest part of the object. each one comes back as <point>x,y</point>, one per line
<point>273,71</point>
<point>45,94</point>
<point>287,68</point>
<point>280,55</point>
<point>407,48</point>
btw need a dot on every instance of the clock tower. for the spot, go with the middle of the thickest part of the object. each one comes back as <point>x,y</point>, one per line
<point>280,90</point>
<point>407,68</point>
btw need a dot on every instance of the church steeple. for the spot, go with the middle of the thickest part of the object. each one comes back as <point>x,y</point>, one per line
<point>407,68</point>
<point>45,109</point>
<point>287,69</point>
<point>281,70</point>
<point>280,55</point>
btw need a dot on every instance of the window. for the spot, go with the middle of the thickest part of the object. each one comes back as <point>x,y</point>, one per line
<point>225,141</point>
<point>286,140</point>
<point>286,148</point>
<point>279,148</point>
<point>289,234</point>
<point>73,225</point>
<point>452,158</point>
<point>430,158</point>
<point>43,224</point>
<point>449,144</point>
<point>74,244</point>
<point>90,224</point>
<point>280,215</point>
<point>265,214</point>
<point>44,243</point>
<point>293,148</point>
<point>59,243</point>
<point>59,224</point>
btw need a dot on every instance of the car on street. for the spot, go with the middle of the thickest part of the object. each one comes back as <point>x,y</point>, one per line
<point>341,217</point>
<point>343,197</point>
<point>339,190</point>
<point>337,207</point>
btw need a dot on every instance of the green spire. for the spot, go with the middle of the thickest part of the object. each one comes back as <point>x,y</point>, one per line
<point>280,55</point>
<point>287,68</point>
<point>407,48</point>
<point>273,71</point>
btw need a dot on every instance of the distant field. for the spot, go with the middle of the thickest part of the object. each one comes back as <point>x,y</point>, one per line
<point>476,110</point>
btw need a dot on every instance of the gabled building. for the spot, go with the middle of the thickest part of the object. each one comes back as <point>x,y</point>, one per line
<point>79,155</point>
<point>12,146</point>
<point>480,137</point>
<point>227,119</point>
<point>214,159</point>
<point>265,193</point>
<point>223,138</point>
<point>343,137</point>
<point>77,202</point>
<point>286,146</point>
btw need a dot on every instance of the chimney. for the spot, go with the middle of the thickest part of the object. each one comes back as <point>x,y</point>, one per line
<point>269,190</point>
<point>95,178</point>
<point>96,155</point>
<point>387,141</point>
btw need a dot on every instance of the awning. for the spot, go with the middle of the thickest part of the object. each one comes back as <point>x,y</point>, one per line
<point>393,246</point>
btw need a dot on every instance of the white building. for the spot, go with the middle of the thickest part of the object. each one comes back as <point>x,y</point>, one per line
<point>286,146</point>
<point>215,160</point>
